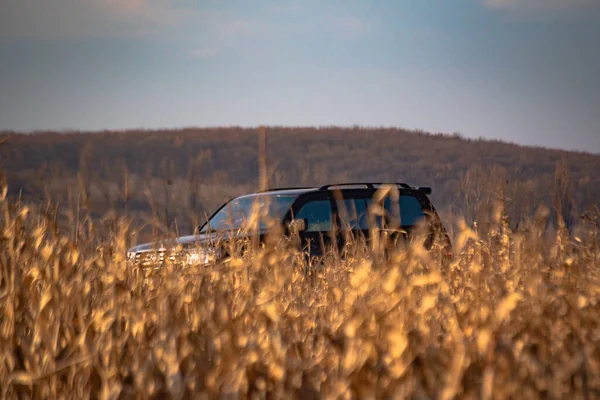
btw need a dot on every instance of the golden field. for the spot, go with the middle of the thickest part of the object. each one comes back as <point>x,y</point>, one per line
<point>514,314</point>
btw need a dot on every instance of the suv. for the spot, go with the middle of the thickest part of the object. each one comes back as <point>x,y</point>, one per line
<point>324,218</point>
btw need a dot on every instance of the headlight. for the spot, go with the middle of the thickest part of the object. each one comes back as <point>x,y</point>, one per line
<point>146,259</point>
<point>201,256</point>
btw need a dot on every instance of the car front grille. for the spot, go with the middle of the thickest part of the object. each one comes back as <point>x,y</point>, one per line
<point>149,259</point>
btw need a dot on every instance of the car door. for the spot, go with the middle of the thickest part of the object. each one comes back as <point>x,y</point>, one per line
<point>352,216</point>
<point>404,214</point>
<point>316,209</point>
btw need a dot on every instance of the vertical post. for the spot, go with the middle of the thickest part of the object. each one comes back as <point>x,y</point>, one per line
<point>262,161</point>
<point>263,184</point>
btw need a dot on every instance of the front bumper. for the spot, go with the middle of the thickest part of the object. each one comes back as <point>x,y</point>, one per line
<point>160,258</point>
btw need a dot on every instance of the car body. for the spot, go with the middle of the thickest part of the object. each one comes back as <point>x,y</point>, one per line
<point>324,218</point>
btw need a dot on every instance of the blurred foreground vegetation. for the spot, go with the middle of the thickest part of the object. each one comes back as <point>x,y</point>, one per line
<point>515,314</point>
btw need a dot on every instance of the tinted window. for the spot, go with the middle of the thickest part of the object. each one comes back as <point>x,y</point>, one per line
<point>317,214</point>
<point>353,213</point>
<point>410,210</point>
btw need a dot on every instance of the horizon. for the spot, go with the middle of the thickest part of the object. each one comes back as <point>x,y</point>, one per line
<point>515,71</point>
<point>166,130</point>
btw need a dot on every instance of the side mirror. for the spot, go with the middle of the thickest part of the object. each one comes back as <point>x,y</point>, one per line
<point>298,225</point>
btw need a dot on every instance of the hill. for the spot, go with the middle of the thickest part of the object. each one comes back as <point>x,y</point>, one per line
<point>181,174</point>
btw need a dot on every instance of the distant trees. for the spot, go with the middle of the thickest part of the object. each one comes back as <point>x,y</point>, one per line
<point>188,172</point>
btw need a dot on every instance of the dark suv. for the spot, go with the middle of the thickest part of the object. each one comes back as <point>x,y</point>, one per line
<point>324,219</point>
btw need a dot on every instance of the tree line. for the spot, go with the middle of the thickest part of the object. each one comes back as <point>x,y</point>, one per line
<point>180,175</point>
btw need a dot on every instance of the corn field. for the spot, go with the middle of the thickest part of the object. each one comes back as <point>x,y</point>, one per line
<point>514,314</point>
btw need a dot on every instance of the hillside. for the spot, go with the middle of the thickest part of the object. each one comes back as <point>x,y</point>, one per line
<point>187,172</point>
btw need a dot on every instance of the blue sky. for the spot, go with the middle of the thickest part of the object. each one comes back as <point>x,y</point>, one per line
<point>518,70</point>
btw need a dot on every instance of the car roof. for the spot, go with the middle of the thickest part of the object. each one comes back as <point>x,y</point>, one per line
<point>297,191</point>
<point>280,192</point>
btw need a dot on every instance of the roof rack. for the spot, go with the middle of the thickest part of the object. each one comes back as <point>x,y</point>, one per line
<point>287,188</point>
<point>372,185</point>
<point>368,185</point>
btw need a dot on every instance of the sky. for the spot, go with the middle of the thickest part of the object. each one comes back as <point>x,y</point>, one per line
<point>524,71</point>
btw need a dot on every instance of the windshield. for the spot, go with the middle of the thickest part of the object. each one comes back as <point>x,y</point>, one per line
<point>235,214</point>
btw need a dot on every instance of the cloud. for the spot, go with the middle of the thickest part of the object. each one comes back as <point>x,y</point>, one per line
<point>543,5</point>
<point>88,18</point>
<point>204,52</point>
<point>123,6</point>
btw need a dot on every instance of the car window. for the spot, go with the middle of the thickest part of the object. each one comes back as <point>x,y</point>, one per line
<point>410,210</point>
<point>353,213</point>
<point>317,214</point>
<point>238,211</point>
